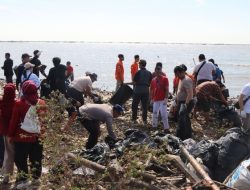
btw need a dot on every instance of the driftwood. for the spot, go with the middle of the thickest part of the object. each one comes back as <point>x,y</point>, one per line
<point>88,163</point>
<point>198,168</point>
<point>179,163</point>
<point>115,172</point>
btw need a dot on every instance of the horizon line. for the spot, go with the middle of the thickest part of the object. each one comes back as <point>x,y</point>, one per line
<point>110,42</point>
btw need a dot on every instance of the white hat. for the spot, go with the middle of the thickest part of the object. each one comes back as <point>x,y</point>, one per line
<point>28,65</point>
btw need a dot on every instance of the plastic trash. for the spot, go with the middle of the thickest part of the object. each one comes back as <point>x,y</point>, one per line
<point>207,152</point>
<point>98,153</point>
<point>241,177</point>
<point>189,143</point>
<point>233,148</point>
<point>84,171</point>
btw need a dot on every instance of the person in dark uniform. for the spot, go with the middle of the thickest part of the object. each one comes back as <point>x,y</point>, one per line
<point>57,76</point>
<point>7,67</point>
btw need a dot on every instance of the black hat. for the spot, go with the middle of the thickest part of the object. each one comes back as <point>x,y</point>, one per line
<point>37,52</point>
<point>25,55</point>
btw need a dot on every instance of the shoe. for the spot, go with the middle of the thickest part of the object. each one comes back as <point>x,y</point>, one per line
<point>166,131</point>
<point>23,185</point>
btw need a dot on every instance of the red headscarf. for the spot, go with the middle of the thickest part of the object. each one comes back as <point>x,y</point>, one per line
<point>6,106</point>
<point>30,94</point>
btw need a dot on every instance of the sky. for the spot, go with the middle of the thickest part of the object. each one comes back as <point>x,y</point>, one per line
<point>167,21</point>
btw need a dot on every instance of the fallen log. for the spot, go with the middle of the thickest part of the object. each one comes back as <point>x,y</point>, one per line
<point>198,168</point>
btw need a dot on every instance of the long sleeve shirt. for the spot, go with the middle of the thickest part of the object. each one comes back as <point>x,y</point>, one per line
<point>119,71</point>
<point>100,112</point>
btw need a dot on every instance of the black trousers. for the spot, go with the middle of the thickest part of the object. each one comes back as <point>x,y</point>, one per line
<point>201,81</point>
<point>137,98</point>
<point>1,150</point>
<point>33,151</point>
<point>9,79</point>
<point>184,129</point>
<point>74,95</point>
<point>93,127</point>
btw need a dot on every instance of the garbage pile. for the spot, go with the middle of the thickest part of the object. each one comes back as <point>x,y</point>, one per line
<point>222,156</point>
<point>149,159</point>
<point>152,161</point>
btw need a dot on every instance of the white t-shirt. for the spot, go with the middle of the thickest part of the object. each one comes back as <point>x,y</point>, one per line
<point>81,83</point>
<point>246,92</point>
<point>205,72</point>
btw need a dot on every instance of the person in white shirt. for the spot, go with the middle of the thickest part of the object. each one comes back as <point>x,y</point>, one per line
<point>204,71</point>
<point>80,86</point>
<point>244,102</point>
<point>77,88</point>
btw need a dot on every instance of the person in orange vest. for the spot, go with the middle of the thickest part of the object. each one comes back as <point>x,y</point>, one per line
<point>119,71</point>
<point>135,66</point>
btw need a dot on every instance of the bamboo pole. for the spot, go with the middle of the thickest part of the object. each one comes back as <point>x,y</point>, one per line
<point>198,168</point>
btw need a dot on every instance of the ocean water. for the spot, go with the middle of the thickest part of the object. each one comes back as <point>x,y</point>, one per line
<point>101,58</point>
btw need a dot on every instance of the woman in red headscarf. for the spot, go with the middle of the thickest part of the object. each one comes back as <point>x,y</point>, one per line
<point>7,102</point>
<point>27,144</point>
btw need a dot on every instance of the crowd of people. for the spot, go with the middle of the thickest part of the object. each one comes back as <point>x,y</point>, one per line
<point>23,104</point>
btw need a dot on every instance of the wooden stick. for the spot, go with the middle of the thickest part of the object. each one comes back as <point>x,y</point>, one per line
<point>198,168</point>
<point>88,163</point>
<point>179,163</point>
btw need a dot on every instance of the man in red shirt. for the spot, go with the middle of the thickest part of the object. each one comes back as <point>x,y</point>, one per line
<point>119,71</point>
<point>159,90</point>
<point>70,74</point>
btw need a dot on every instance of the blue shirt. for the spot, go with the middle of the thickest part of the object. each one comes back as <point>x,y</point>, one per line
<point>33,77</point>
<point>217,73</point>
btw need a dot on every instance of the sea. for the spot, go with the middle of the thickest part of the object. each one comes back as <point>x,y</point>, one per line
<point>101,58</point>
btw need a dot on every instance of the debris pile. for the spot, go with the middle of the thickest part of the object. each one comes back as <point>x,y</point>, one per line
<point>143,158</point>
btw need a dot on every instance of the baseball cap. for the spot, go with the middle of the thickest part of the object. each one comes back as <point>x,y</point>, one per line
<point>118,108</point>
<point>25,55</point>
<point>28,65</point>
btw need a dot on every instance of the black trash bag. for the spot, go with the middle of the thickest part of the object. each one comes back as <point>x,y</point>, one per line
<point>97,99</point>
<point>233,148</point>
<point>135,137</point>
<point>227,113</point>
<point>98,153</point>
<point>231,115</point>
<point>121,95</point>
<point>172,141</point>
<point>110,142</point>
<point>207,152</point>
